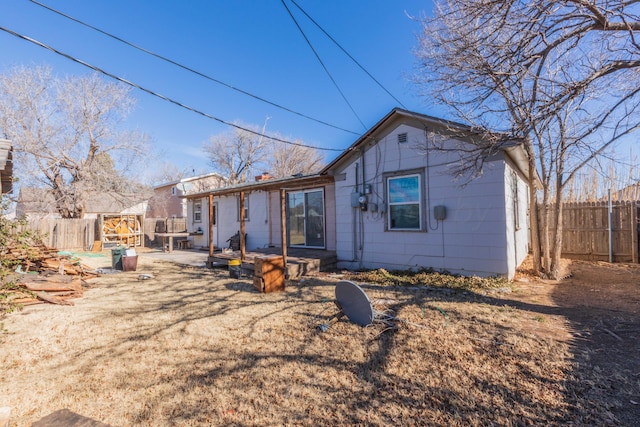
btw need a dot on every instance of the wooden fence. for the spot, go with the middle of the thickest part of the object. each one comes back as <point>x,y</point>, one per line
<point>585,231</point>
<point>67,234</point>
<point>161,225</point>
<point>80,234</point>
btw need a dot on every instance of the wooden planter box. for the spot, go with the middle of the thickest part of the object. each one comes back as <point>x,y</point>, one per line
<point>268,273</point>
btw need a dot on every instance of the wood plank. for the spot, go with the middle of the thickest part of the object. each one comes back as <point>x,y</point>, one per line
<point>27,301</point>
<point>52,299</point>
<point>75,286</point>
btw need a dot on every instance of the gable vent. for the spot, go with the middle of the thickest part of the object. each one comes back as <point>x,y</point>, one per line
<point>402,138</point>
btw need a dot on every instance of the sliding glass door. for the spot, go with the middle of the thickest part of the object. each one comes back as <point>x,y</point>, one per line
<point>305,218</point>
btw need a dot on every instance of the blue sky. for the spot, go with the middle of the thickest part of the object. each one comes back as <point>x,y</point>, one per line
<point>252,45</point>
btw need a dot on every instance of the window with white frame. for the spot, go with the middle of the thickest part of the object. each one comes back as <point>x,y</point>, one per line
<point>404,193</point>
<point>197,210</point>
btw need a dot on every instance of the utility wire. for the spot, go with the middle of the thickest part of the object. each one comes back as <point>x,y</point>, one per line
<point>348,55</point>
<point>322,63</point>
<point>150,92</point>
<point>191,70</point>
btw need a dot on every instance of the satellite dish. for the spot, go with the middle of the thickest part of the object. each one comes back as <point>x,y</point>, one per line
<point>184,186</point>
<point>355,304</point>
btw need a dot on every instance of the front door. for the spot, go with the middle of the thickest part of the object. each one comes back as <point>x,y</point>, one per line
<point>305,218</point>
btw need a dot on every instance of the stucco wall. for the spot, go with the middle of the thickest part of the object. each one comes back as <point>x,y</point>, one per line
<point>471,240</point>
<point>165,204</point>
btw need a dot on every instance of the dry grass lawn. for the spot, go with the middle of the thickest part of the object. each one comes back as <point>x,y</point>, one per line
<point>193,347</point>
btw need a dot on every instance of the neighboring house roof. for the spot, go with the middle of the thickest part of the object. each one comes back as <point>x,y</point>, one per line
<point>513,149</point>
<point>190,180</point>
<point>6,166</point>
<point>40,201</point>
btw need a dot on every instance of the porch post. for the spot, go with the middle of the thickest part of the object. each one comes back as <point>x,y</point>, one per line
<point>211,247</point>
<point>283,228</point>
<point>242,242</point>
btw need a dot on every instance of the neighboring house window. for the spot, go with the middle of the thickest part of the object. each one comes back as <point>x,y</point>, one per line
<point>173,191</point>
<point>246,208</point>
<point>405,201</point>
<point>197,211</point>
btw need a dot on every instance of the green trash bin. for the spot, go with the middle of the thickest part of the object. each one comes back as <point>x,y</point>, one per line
<point>116,258</point>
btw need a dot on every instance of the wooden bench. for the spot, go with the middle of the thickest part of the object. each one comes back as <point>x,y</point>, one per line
<point>184,244</point>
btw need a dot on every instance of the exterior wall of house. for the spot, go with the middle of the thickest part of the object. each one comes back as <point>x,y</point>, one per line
<point>256,225</point>
<point>201,225</point>
<point>165,204</point>
<point>471,240</point>
<point>330,216</point>
<point>263,224</point>
<point>166,200</point>
<point>517,218</point>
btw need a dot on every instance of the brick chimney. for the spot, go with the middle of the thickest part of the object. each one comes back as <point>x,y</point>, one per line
<point>265,176</point>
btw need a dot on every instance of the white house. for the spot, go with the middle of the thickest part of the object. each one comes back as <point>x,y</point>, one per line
<point>387,202</point>
<point>167,200</point>
<point>398,206</point>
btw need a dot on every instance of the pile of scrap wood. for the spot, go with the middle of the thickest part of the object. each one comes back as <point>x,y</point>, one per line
<point>41,275</point>
<point>124,230</point>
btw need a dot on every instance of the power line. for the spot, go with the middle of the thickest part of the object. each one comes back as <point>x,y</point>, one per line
<point>348,55</point>
<point>150,92</point>
<point>191,70</point>
<point>326,70</point>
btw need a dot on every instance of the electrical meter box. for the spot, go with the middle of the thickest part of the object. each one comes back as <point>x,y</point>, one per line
<point>355,200</point>
<point>440,212</point>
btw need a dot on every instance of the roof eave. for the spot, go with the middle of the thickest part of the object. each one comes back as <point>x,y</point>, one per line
<point>271,184</point>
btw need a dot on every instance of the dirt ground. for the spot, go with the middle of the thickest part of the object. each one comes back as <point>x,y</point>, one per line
<point>191,346</point>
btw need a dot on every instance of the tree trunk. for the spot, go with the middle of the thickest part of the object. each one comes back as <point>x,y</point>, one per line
<point>546,251</point>
<point>554,269</point>
<point>534,222</point>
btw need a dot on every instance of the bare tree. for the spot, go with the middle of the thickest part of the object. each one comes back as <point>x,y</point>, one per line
<point>287,159</point>
<point>235,154</point>
<point>65,134</point>
<point>602,175</point>
<point>557,76</point>
<point>166,172</point>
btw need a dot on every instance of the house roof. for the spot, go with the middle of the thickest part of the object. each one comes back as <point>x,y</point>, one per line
<point>6,166</point>
<point>40,201</point>
<point>189,179</point>
<point>513,149</point>
<point>293,182</point>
